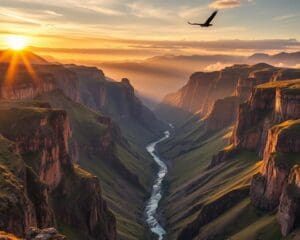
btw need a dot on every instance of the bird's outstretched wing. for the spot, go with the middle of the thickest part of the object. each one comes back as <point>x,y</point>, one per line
<point>208,21</point>
<point>194,23</point>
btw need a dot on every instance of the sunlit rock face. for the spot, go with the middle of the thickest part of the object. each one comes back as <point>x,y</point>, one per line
<point>268,124</point>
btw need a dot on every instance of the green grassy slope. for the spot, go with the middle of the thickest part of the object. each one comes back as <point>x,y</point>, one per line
<point>191,185</point>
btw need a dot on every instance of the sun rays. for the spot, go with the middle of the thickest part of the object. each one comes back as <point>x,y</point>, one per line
<point>16,62</point>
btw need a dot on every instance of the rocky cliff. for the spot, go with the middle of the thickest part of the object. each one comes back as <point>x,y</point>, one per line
<point>289,208</point>
<point>269,104</point>
<point>224,112</point>
<point>119,101</point>
<point>280,156</point>
<point>268,124</point>
<point>40,137</point>
<point>204,88</point>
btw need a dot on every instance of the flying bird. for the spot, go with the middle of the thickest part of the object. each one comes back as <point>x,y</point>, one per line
<point>208,21</point>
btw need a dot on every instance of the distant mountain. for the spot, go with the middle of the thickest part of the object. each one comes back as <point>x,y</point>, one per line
<point>288,59</point>
<point>169,71</point>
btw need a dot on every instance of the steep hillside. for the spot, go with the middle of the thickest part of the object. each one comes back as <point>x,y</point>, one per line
<point>35,169</point>
<point>217,186</point>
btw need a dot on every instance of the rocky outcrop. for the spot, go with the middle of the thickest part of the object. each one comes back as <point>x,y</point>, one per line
<point>286,74</point>
<point>269,104</point>
<point>41,137</point>
<point>17,208</point>
<point>282,147</point>
<point>253,116</point>
<point>78,202</point>
<point>222,156</point>
<point>223,113</point>
<point>246,85</point>
<point>47,136</point>
<point>43,234</point>
<point>117,100</point>
<point>289,208</point>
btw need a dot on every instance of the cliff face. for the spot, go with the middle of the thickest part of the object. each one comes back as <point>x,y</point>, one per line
<point>86,209</point>
<point>223,113</point>
<point>289,208</point>
<point>204,88</point>
<point>270,104</point>
<point>41,138</point>
<point>279,157</point>
<point>18,208</point>
<point>268,124</point>
<point>47,137</point>
<point>117,100</point>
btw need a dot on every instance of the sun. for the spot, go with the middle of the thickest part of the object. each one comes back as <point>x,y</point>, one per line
<point>16,42</point>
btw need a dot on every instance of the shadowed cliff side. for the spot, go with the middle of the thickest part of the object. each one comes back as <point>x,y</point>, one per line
<point>39,141</point>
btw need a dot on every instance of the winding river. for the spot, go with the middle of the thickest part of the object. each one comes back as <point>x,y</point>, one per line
<point>156,195</point>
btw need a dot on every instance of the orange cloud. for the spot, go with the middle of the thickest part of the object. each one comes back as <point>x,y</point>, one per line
<point>221,4</point>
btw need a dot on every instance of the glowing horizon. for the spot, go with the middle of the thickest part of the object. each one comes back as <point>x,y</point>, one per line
<point>128,29</point>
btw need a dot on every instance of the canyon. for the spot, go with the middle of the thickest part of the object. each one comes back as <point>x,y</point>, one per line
<point>235,155</point>
<point>75,159</point>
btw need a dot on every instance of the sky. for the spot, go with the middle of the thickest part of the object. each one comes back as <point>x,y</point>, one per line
<point>126,30</point>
